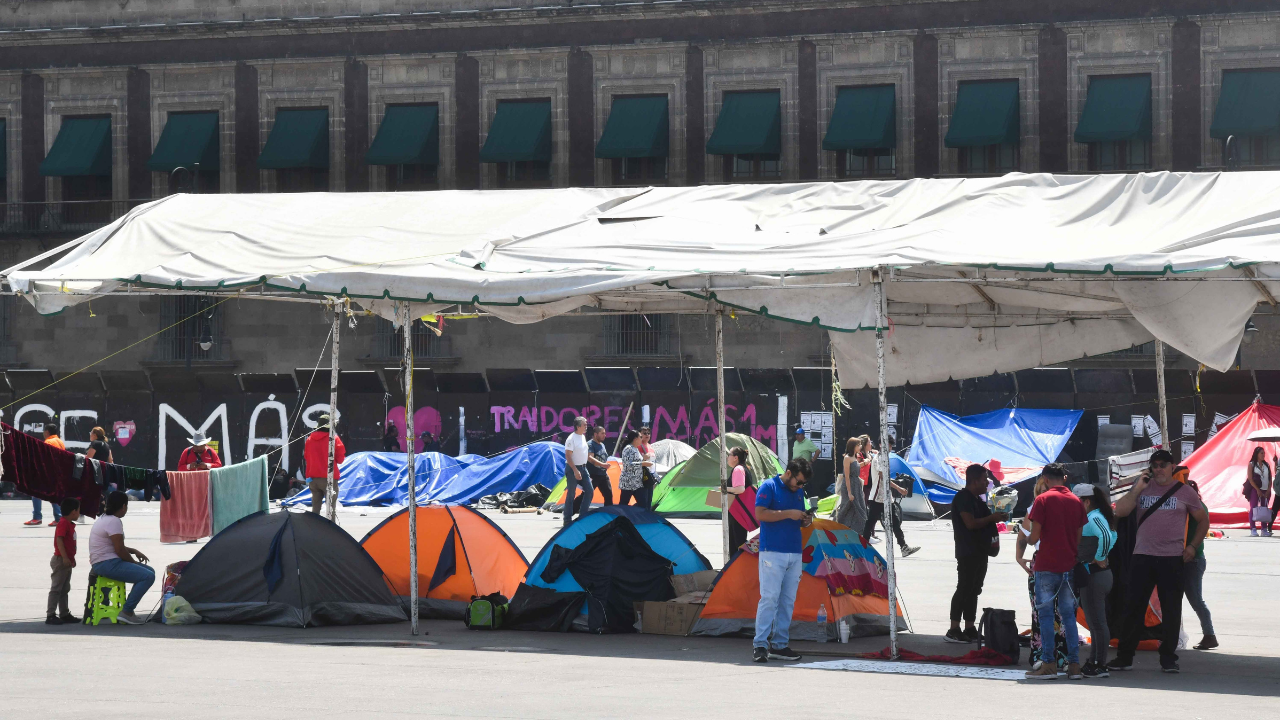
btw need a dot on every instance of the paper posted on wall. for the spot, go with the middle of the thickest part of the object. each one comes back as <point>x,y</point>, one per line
<point>1218,421</point>
<point>1139,425</point>
<point>1189,424</point>
<point>1187,449</point>
<point>1104,420</point>
<point>891,411</point>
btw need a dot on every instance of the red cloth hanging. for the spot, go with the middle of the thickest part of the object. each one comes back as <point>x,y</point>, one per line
<point>186,515</point>
<point>45,472</point>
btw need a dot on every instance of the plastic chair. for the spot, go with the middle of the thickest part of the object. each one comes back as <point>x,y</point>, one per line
<point>105,601</point>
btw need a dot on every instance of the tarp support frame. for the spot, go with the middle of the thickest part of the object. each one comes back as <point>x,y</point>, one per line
<point>406,323</point>
<point>331,487</point>
<point>724,447</point>
<point>882,460</point>
<point>1164,425</point>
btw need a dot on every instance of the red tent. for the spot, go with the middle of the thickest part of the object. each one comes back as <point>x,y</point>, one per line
<point>1218,466</point>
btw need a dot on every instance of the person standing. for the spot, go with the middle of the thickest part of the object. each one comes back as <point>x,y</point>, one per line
<point>598,468</point>
<point>1162,551</point>
<point>1059,519</point>
<point>852,510</point>
<point>742,499</point>
<point>64,559</point>
<point>1093,596</point>
<point>780,510</point>
<point>37,517</point>
<point>1194,581</point>
<point>391,439</point>
<point>1056,648</point>
<point>803,448</point>
<point>575,470</point>
<point>111,558</point>
<point>316,456</point>
<point>98,448</point>
<point>876,508</point>
<point>973,528</point>
<point>199,456</point>
<point>631,482</point>
<point>1259,485</point>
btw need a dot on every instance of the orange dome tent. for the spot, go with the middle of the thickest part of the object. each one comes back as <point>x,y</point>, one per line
<point>840,575</point>
<point>461,554</point>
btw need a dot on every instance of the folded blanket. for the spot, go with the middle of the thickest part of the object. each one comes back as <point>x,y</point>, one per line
<point>186,514</point>
<point>237,491</point>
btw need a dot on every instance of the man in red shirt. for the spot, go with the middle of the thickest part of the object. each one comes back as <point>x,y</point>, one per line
<point>199,456</point>
<point>315,455</point>
<point>1058,517</point>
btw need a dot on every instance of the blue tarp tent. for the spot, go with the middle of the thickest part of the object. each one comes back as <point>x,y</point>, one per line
<point>381,478</point>
<point>1016,437</point>
<point>519,469</point>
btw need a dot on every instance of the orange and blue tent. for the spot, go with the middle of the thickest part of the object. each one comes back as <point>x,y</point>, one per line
<point>461,554</point>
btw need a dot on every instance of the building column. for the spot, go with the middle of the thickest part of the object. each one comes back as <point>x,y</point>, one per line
<point>1054,143</point>
<point>138,132</point>
<point>355,97</point>
<point>1187,123</point>
<point>466,143</point>
<point>247,129</point>
<point>32,137</point>
<point>807,112</point>
<point>925,67</point>
<point>695,114</point>
<point>582,123</point>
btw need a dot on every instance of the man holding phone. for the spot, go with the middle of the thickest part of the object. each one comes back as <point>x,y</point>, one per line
<point>781,512</point>
<point>1162,548</point>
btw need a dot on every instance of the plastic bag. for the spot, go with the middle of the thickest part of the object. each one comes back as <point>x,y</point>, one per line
<point>177,611</point>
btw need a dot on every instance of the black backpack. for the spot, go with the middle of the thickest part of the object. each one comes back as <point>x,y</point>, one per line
<point>999,632</point>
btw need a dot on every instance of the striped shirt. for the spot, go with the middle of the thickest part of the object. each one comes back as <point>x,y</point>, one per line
<point>1097,526</point>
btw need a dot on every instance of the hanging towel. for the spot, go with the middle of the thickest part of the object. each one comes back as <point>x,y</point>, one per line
<point>186,514</point>
<point>237,491</point>
<point>98,478</point>
<point>45,472</point>
<point>77,467</point>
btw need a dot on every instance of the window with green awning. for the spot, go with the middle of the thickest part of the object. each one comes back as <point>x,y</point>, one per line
<point>750,123</point>
<point>864,118</point>
<point>985,113</point>
<point>299,139</point>
<point>81,149</point>
<point>188,138</point>
<point>638,127</point>
<point>520,132</point>
<point>1118,107</point>
<point>1248,104</point>
<point>408,135</point>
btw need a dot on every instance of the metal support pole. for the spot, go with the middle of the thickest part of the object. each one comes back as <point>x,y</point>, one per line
<point>882,463</point>
<point>406,323</point>
<point>724,448</point>
<point>331,487</point>
<point>1164,424</point>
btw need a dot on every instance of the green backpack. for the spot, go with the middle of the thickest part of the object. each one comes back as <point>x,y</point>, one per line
<point>487,612</point>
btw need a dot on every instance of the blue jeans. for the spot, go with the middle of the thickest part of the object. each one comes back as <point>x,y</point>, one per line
<point>571,485</point>
<point>142,577</point>
<point>1193,582</point>
<point>1054,589</point>
<point>37,515</point>
<point>779,580</point>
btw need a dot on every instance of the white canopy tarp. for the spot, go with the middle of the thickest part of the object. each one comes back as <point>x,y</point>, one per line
<point>990,274</point>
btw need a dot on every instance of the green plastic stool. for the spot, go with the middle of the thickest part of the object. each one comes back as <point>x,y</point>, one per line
<point>105,601</point>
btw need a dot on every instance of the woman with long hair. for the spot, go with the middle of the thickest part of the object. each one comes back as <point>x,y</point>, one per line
<point>1058,653</point>
<point>742,499</point>
<point>1258,489</point>
<point>1099,524</point>
<point>631,482</point>
<point>851,510</point>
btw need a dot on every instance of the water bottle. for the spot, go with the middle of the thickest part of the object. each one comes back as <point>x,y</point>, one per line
<point>822,614</point>
<point>163,603</point>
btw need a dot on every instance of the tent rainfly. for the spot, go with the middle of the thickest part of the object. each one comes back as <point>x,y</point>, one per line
<point>977,275</point>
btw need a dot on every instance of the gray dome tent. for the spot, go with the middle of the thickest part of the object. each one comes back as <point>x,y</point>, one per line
<point>290,570</point>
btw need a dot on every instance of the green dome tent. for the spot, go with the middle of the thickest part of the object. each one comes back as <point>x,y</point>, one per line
<point>683,491</point>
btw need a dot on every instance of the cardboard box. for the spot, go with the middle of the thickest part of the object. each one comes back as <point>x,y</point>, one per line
<point>713,498</point>
<point>667,618</point>
<point>693,582</point>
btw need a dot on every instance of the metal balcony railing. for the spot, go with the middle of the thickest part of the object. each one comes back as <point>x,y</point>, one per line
<point>69,217</point>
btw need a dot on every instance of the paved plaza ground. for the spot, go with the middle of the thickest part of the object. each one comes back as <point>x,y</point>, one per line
<point>223,671</point>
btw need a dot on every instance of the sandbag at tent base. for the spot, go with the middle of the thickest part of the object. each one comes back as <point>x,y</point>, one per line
<point>273,614</point>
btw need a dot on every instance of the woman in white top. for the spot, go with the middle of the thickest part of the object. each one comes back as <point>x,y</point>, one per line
<point>111,558</point>
<point>1259,489</point>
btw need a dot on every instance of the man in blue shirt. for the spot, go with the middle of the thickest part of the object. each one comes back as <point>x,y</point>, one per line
<point>780,509</point>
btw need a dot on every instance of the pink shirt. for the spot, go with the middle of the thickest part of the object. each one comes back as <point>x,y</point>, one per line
<point>739,477</point>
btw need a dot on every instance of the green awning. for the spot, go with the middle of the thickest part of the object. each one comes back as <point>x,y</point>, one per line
<point>986,113</point>
<point>864,118</point>
<point>637,127</point>
<point>187,139</point>
<point>520,132</point>
<point>1117,108</point>
<point>750,123</point>
<point>408,135</point>
<point>299,139</point>
<point>83,147</point>
<point>4,148</point>
<point>1249,104</point>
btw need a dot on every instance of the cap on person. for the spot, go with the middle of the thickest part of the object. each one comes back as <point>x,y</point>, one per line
<point>1083,490</point>
<point>801,431</point>
<point>1161,455</point>
<point>198,438</point>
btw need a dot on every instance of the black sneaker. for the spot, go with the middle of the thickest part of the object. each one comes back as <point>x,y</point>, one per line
<point>973,635</point>
<point>1094,670</point>
<point>53,620</point>
<point>956,636</point>
<point>760,655</point>
<point>785,653</point>
<point>1170,667</point>
<point>1208,643</point>
<point>1120,665</point>
<point>69,619</point>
